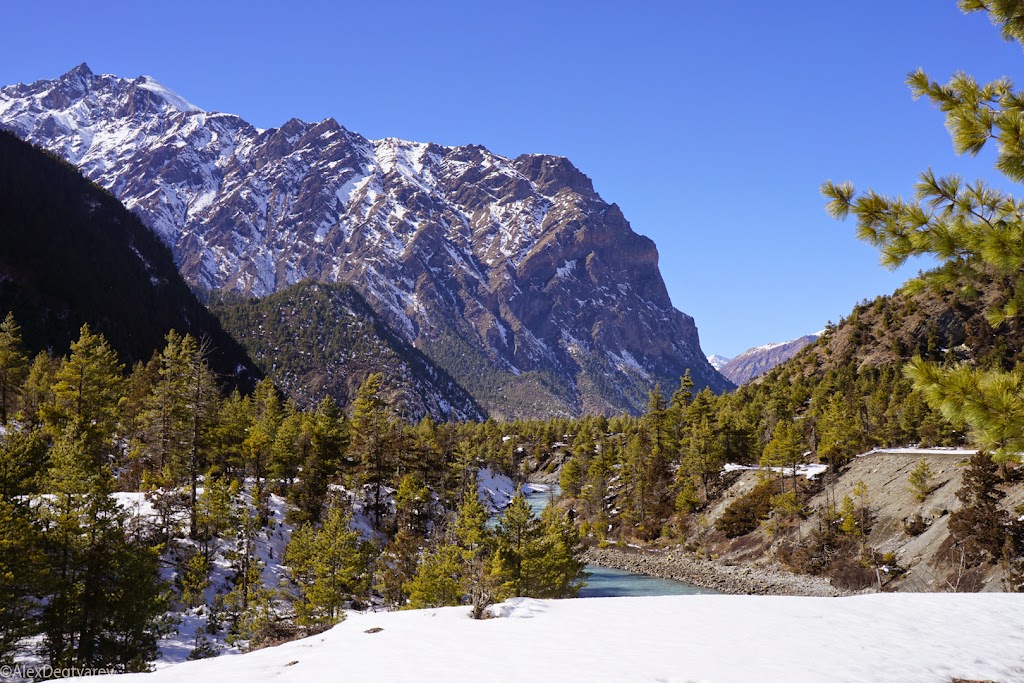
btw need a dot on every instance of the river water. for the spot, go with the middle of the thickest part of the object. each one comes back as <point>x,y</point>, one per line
<point>604,582</point>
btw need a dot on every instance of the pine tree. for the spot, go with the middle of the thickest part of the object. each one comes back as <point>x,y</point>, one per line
<point>215,516</point>
<point>395,566</point>
<point>87,390</point>
<point>412,505</point>
<point>438,580</point>
<point>463,472</point>
<point>973,229</point>
<point>13,366</point>
<point>839,436</point>
<point>22,575</point>
<point>23,461</point>
<point>374,440</point>
<point>103,597</point>
<point>328,566</point>
<point>980,525</point>
<point>571,478</point>
<point>258,445</point>
<point>230,430</point>
<point>786,448</point>
<point>517,533</point>
<point>555,564</point>
<point>202,404</point>
<point>37,390</point>
<point>328,440</point>
<point>703,454</point>
<point>634,473</point>
<point>194,578</point>
<point>920,480</point>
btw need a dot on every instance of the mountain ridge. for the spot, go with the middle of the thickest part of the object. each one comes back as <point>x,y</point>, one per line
<point>758,360</point>
<point>512,274</point>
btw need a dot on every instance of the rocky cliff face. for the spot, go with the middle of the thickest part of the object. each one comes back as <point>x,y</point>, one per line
<point>512,274</point>
<point>755,362</point>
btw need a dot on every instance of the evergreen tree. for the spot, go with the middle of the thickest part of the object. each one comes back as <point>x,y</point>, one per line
<point>703,453</point>
<point>980,525</point>
<point>328,566</point>
<point>328,440</point>
<point>396,565</point>
<point>920,480</point>
<point>230,430</point>
<point>23,461</point>
<point>257,448</point>
<point>571,477</point>
<point>203,403</point>
<point>438,580</point>
<point>555,565</point>
<point>374,440</point>
<point>412,505</point>
<point>476,542</point>
<point>839,435</point>
<point>87,390</point>
<point>517,534</point>
<point>22,575</point>
<point>973,228</point>
<point>103,598</point>
<point>215,515</point>
<point>13,366</point>
<point>194,578</point>
<point>635,471</point>
<point>786,449</point>
<point>37,389</point>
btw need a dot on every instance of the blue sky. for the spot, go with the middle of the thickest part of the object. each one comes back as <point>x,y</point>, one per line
<point>712,124</point>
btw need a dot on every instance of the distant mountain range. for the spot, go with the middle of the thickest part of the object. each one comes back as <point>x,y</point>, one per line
<point>755,362</point>
<point>718,362</point>
<point>513,275</point>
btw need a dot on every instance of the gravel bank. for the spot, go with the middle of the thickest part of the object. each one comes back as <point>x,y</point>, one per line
<point>740,579</point>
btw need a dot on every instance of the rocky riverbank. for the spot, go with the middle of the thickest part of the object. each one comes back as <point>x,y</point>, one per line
<point>739,579</point>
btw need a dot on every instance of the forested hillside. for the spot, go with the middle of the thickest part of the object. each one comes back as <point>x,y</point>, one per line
<point>316,340</point>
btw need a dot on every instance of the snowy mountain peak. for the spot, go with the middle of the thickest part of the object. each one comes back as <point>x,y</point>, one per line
<point>166,94</point>
<point>718,362</point>
<point>461,250</point>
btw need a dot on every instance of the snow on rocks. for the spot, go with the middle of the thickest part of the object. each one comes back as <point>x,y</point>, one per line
<point>810,471</point>
<point>496,490</point>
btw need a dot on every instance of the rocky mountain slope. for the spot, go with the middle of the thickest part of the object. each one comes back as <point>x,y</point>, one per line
<point>760,359</point>
<point>71,254</point>
<point>318,339</point>
<point>512,274</point>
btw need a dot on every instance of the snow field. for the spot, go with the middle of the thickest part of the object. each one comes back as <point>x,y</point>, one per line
<point>905,638</point>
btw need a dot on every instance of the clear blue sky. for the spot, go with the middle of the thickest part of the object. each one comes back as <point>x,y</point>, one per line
<point>712,124</point>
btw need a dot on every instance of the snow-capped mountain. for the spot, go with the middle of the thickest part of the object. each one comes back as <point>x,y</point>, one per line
<point>760,359</point>
<point>718,362</point>
<point>512,274</point>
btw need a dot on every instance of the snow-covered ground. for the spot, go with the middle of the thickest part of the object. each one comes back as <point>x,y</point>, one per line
<point>913,450</point>
<point>909,638</point>
<point>810,471</point>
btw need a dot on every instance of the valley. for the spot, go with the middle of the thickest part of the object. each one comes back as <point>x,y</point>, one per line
<point>289,401</point>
